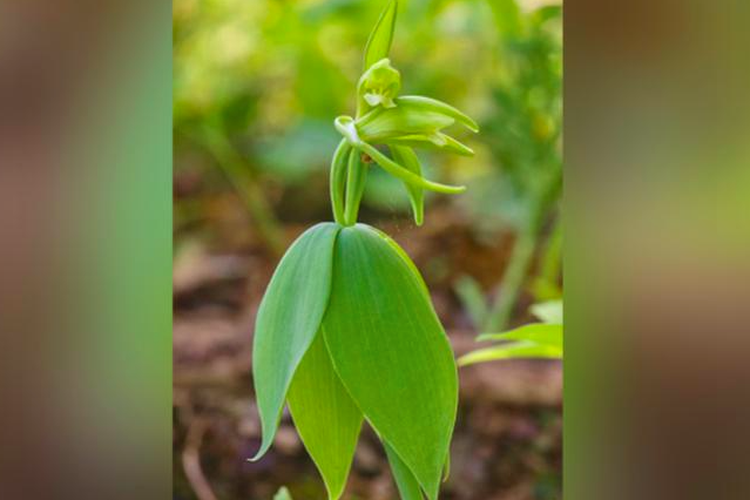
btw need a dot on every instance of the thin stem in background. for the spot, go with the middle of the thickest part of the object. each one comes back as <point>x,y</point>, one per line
<point>247,187</point>
<point>522,257</point>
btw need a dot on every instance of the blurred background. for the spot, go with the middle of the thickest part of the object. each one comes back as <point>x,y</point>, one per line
<point>257,85</point>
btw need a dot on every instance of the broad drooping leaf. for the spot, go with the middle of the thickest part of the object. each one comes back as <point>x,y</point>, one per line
<point>406,483</point>
<point>326,418</point>
<point>391,353</point>
<point>381,37</point>
<point>288,319</point>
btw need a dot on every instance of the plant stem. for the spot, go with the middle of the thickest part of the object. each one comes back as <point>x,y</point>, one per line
<point>513,280</point>
<point>247,187</point>
<point>522,256</point>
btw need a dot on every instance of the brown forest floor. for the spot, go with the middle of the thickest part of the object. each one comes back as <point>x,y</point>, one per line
<point>508,439</point>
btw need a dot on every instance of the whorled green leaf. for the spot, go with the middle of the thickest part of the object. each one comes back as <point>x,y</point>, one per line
<point>405,156</point>
<point>391,352</point>
<point>326,418</point>
<point>407,484</point>
<point>381,37</point>
<point>288,319</point>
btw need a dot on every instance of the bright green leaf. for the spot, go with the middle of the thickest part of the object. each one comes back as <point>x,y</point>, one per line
<point>406,483</point>
<point>538,333</point>
<point>511,351</point>
<point>408,158</point>
<point>288,319</point>
<point>326,418</point>
<point>381,37</point>
<point>391,352</point>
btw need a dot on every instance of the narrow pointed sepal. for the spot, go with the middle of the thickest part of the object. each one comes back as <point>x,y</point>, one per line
<point>379,43</point>
<point>406,175</point>
<point>434,105</point>
<point>406,156</point>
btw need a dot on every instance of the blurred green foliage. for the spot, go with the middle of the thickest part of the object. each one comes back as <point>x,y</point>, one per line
<point>257,84</point>
<point>273,74</point>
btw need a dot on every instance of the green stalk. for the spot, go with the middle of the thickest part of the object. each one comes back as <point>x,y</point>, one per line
<point>247,187</point>
<point>522,257</point>
<point>513,280</point>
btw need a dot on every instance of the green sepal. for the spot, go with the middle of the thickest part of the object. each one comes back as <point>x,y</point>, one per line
<point>408,158</point>
<point>427,103</point>
<point>288,319</point>
<point>337,181</point>
<point>355,186</point>
<point>382,124</point>
<point>327,419</point>
<point>406,175</point>
<point>436,140</point>
<point>381,37</point>
<point>380,323</point>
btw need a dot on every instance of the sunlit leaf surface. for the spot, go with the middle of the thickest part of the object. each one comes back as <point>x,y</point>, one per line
<point>288,319</point>
<point>406,483</point>
<point>391,352</point>
<point>326,418</point>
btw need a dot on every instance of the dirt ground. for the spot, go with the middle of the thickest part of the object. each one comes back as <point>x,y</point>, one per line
<point>508,439</point>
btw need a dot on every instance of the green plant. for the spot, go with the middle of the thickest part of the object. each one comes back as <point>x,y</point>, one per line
<point>282,494</point>
<point>535,340</point>
<point>524,135</point>
<point>346,331</point>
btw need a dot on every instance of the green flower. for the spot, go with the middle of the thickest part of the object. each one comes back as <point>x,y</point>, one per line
<point>400,123</point>
<point>379,85</point>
